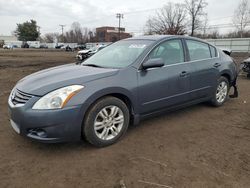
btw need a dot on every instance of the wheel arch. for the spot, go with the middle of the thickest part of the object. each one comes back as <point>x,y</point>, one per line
<point>119,93</point>
<point>228,76</point>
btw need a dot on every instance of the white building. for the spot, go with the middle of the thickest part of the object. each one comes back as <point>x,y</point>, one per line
<point>10,40</point>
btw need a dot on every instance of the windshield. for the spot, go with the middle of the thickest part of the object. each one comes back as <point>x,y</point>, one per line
<point>118,55</point>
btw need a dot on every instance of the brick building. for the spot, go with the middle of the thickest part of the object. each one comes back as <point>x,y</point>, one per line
<point>111,34</point>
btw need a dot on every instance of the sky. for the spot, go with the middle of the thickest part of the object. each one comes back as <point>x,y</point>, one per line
<point>50,14</point>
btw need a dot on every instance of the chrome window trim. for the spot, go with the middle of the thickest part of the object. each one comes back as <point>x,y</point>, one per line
<point>208,48</point>
<point>180,63</point>
<point>218,54</point>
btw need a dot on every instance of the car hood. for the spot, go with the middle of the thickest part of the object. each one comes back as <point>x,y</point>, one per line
<point>45,81</point>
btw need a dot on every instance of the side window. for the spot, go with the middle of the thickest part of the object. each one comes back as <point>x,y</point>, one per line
<point>198,50</point>
<point>213,51</point>
<point>170,51</point>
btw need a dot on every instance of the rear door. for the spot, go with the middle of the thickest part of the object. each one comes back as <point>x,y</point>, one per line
<point>203,64</point>
<point>166,86</point>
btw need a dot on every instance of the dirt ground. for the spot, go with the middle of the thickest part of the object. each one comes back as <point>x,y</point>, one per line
<point>200,146</point>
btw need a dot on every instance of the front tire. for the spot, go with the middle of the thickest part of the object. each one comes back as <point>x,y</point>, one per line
<point>106,122</point>
<point>221,93</point>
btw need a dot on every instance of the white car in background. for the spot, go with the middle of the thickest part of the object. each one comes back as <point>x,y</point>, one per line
<point>10,46</point>
<point>7,46</point>
<point>84,54</point>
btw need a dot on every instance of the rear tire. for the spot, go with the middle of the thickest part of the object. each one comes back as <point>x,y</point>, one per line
<point>106,122</point>
<point>221,92</point>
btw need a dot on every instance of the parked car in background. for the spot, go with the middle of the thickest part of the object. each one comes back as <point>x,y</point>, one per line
<point>246,67</point>
<point>7,46</point>
<point>10,46</point>
<point>59,46</point>
<point>68,49</point>
<point>25,45</point>
<point>84,54</point>
<point>80,47</point>
<point>120,85</point>
<point>43,46</point>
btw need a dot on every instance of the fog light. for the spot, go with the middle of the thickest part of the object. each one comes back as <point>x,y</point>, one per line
<point>38,132</point>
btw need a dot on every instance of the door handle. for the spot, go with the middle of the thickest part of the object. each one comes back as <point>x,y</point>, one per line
<point>216,65</point>
<point>184,74</point>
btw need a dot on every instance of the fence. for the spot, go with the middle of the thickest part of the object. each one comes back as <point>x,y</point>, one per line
<point>36,44</point>
<point>234,44</point>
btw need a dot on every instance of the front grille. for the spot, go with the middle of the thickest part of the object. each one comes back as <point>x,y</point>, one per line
<point>19,97</point>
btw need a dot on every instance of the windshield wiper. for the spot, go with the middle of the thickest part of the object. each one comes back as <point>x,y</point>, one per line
<point>92,65</point>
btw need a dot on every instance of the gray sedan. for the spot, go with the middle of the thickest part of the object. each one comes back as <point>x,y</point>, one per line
<point>120,85</point>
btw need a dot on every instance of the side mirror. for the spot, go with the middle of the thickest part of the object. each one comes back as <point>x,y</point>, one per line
<point>153,63</point>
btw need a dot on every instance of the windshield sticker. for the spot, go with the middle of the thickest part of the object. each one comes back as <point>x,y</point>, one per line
<point>137,46</point>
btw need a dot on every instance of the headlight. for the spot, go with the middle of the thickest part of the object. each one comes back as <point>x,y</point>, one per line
<point>57,99</point>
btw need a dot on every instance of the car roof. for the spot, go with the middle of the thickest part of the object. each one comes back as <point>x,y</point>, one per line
<point>150,37</point>
<point>162,37</point>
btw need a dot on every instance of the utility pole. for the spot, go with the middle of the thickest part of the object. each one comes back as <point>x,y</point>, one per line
<point>119,16</point>
<point>62,26</point>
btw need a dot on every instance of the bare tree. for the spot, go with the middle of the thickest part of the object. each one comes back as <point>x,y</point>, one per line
<point>51,37</point>
<point>204,30</point>
<point>242,16</point>
<point>214,34</point>
<point>150,27</point>
<point>237,34</point>
<point>92,36</point>
<point>74,34</point>
<point>169,20</point>
<point>195,9</point>
<point>205,26</point>
<point>77,34</point>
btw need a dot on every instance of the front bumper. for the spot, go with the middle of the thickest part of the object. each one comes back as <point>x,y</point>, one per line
<point>47,126</point>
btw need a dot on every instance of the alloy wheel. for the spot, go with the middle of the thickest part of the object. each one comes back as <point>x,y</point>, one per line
<point>221,92</point>
<point>109,122</point>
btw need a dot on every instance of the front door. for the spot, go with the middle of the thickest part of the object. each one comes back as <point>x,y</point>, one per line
<point>166,86</point>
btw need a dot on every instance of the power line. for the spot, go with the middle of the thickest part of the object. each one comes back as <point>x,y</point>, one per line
<point>127,13</point>
<point>141,11</point>
<point>228,25</point>
<point>220,18</point>
<point>155,9</point>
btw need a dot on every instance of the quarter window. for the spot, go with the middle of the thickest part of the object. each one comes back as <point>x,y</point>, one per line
<point>170,51</point>
<point>213,51</point>
<point>198,50</point>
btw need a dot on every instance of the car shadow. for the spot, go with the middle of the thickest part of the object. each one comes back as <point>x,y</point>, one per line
<point>84,145</point>
<point>170,114</point>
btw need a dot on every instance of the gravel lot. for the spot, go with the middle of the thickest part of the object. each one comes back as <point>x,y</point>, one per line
<point>200,146</point>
